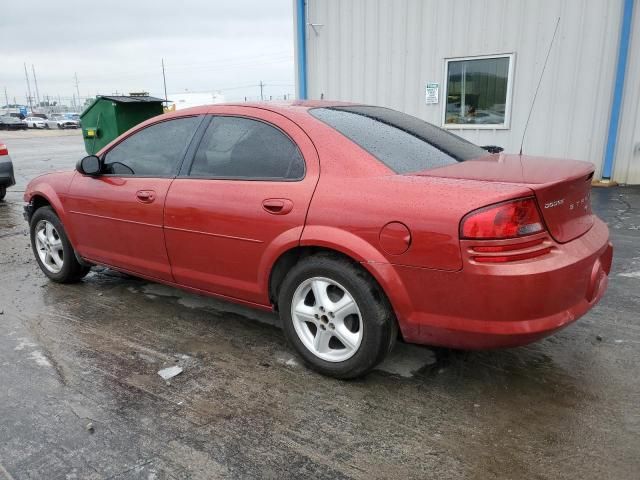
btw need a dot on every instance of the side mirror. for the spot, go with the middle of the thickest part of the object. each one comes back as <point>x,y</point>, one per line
<point>91,165</point>
<point>492,148</point>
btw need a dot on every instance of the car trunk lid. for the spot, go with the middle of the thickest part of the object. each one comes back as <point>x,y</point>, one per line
<point>561,187</point>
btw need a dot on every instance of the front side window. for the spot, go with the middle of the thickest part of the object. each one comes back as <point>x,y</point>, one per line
<point>154,151</point>
<point>402,142</point>
<point>477,92</point>
<point>242,148</point>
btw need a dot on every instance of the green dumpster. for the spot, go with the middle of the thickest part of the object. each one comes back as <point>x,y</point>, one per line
<point>110,116</point>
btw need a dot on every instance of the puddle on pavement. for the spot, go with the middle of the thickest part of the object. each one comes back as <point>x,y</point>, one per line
<point>405,360</point>
<point>7,217</point>
<point>527,368</point>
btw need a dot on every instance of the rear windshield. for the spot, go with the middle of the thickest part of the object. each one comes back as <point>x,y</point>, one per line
<point>403,143</point>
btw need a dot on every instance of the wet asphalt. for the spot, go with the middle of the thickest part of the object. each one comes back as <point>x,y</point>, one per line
<point>80,397</point>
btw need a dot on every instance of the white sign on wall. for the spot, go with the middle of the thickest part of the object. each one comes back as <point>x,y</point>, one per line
<point>431,93</point>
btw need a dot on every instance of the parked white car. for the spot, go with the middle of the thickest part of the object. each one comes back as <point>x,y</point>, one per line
<point>35,122</point>
<point>60,122</point>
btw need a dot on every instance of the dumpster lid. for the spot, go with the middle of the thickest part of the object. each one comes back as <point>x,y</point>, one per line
<point>131,99</point>
<point>121,99</point>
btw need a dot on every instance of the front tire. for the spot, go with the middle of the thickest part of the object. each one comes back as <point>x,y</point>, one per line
<point>3,193</point>
<point>336,316</point>
<point>52,249</point>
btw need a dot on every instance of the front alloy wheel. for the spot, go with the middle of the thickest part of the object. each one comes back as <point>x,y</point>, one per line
<point>49,246</point>
<point>54,253</point>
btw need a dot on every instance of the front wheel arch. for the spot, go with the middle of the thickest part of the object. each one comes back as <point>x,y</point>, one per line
<point>38,201</point>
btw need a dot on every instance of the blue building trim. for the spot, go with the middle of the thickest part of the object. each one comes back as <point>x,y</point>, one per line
<point>616,106</point>
<point>301,22</point>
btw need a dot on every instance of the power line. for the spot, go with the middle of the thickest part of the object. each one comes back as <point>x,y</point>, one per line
<point>243,63</point>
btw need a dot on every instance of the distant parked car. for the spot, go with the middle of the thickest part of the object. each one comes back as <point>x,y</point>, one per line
<point>6,171</point>
<point>35,122</point>
<point>12,123</point>
<point>60,122</point>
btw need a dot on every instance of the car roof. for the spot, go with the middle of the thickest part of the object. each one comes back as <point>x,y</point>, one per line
<point>274,106</point>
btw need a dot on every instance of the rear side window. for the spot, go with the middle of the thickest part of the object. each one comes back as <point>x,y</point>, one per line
<point>242,148</point>
<point>154,151</point>
<point>403,143</point>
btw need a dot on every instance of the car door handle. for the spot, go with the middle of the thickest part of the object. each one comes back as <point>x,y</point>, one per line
<point>146,196</point>
<point>277,206</point>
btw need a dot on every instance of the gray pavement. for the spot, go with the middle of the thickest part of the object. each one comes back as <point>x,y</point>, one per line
<point>80,356</point>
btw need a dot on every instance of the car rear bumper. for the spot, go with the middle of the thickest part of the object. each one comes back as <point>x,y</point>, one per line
<point>505,305</point>
<point>6,172</point>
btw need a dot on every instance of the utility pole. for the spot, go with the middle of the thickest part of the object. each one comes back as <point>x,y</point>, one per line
<point>164,80</point>
<point>6,97</point>
<point>77,89</point>
<point>26,75</point>
<point>35,81</point>
<point>261,87</point>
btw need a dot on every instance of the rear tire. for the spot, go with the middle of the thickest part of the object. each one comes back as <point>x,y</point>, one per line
<point>349,330</point>
<point>3,193</point>
<point>52,249</point>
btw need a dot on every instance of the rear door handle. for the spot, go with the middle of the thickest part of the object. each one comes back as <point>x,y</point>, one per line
<point>277,206</point>
<point>146,196</point>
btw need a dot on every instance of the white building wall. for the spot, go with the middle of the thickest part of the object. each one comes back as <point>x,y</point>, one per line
<point>384,52</point>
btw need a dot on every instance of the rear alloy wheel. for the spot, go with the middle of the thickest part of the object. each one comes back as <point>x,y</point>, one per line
<point>52,248</point>
<point>336,316</point>
<point>327,319</point>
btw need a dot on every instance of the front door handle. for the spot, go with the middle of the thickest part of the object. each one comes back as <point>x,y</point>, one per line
<point>146,196</point>
<point>277,206</point>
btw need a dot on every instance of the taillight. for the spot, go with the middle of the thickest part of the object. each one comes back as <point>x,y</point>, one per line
<point>512,219</point>
<point>3,149</point>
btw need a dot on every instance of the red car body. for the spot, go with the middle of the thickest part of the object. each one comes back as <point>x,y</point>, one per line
<point>227,238</point>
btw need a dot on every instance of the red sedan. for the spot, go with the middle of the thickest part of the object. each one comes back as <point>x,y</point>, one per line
<point>356,223</point>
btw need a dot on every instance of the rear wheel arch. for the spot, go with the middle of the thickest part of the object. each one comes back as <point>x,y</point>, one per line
<point>374,328</point>
<point>291,257</point>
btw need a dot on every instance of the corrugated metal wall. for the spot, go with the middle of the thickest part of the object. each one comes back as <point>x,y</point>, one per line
<point>627,162</point>
<point>385,51</point>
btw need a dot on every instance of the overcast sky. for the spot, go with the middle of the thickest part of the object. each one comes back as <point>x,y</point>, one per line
<point>116,45</point>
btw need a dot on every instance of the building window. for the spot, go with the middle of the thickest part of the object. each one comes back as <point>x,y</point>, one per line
<point>478,92</point>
